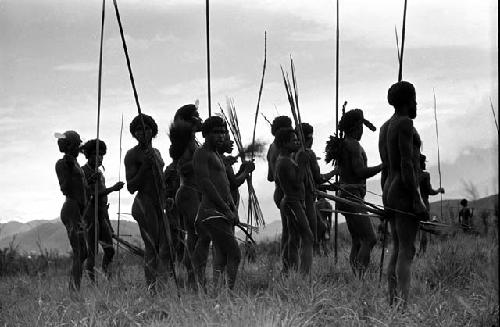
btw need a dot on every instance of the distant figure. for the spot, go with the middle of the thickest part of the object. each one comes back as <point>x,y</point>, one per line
<point>354,171</point>
<point>425,191</point>
<point>317,179</point>
<point>74,186</point>
<point>290,174</point>
<point>465,216</point>
<point>144,171</point>
<point>217,213</point>
<point>104,229</point>
<point>323,210</point>
<point>272,154</point>
<point>186,124</point>
<point>399,146</point>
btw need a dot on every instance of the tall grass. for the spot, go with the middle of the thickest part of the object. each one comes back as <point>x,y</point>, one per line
<point>454,284</point>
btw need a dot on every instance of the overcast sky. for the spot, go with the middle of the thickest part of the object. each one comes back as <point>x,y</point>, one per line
<point>49,63</point>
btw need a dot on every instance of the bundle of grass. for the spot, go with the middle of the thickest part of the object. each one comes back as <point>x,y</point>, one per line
<point>254,210</point>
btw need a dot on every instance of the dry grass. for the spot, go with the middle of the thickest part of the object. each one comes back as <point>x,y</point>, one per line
<point>454,284</point>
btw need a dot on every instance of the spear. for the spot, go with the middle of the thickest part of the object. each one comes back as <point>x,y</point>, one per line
<point>336,215</point>
<point>437,139</point>
<point>119,191</point>
<point>494,116</point>
<point>99,88</point>
<point>207,20</point>
<point>156,178</point>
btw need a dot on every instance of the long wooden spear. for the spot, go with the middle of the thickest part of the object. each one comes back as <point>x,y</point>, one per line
<point>207,20</point>
<point>99,88</point>
<point>336,215</point>
<point>156,178</point>
<point>494,116</point>
<point>119,191</point>
<point>439,157</point>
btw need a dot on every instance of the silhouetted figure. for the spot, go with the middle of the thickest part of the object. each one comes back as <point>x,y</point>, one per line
<point>399,146</point>
<point>465,216</point>
<point>217,213</point>
<point>272,154</point>
<point>186,124</point>
<point>74,186</point>
<point>172,183</point>
<point>290,174</point>
<point>317,179</point>
<point>144,171</point>
<point>104,229</point>
<point>425,191</point>
<point>353,174</point>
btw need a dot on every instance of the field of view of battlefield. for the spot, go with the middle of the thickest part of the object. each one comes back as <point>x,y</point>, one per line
<point>263,163</point>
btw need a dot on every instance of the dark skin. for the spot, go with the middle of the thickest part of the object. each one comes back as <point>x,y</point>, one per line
<point>105,230</point>
<point>353,174</point>
<point>291,176</point>
<point>143,170</point>
<point>318,178</point>
<point>187,198</point>
<point>217,213</point>
<point>73,186</point>
<point>399,146</point>
<point>323,211</point>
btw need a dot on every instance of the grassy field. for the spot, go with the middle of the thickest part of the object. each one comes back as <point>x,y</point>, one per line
<point>454,284</point>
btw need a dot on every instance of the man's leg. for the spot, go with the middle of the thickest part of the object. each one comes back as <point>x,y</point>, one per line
<point>187,201</point>
<point>90,263</point>
<point>296,213</point>
<point>352,226</point>
<point>391,268</point>
<point>407,228</point>
<point>368,241</point>
<point>106,240</point>
<point>310,211</point>
<point>200,255</point>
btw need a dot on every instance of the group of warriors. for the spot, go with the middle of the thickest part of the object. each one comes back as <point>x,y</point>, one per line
<point>192,202</point>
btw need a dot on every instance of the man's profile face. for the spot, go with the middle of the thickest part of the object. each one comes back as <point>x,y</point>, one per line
<point>196,121</point>
<point>216,136</point>
<point>309,141</point>
<point>93,158</point>
<point>293,145</point>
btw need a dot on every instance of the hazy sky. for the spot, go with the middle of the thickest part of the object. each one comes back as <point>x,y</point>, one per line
<point>49,59</point>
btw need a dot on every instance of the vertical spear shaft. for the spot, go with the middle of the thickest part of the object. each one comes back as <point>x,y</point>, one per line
<point>494,116</point>
<point>403,33</point>
<point>336,123</point>
<point>207,20</point>
<point>99,87</point>
<point>119,191</point>
<point>439,158</point>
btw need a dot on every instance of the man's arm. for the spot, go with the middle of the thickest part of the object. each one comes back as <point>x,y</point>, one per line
<point>202,172</point>
<point>245,169</point>
<point>383,154</point>
<point>287,174</point>
<point>271,161</point>
<point>134,174</point>
<point>358,164</point>
<point>405,145</point>
<point>63,175</point>
<point>316,172</point>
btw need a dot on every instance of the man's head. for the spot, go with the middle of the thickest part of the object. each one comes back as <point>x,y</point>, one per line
<point>280,122</point>
<point>214,130</point>
<point>69,143</point>
<point>402,97</point>
<point>308,134</point>
<point>423,159</point>
<point>137,130</point>
<point>286,139</point>
<point>463,203</point>
<point>228,145</point>
<point>88,149</point>
<point>352,123</point>
<point>190,114</point>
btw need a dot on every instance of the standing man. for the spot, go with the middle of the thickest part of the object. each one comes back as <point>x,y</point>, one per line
<point>317,177</point>
<point>217,213</point>
<point>399,146</point>
<point>465,216</point>
<point>272,154</point>
<point>182,133</point>
<point>104,229</point>
<point>354,170</point>
<point>290,174</point>
<point>74,186</point>
<point>144,171</point>
<point>425,190</point>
